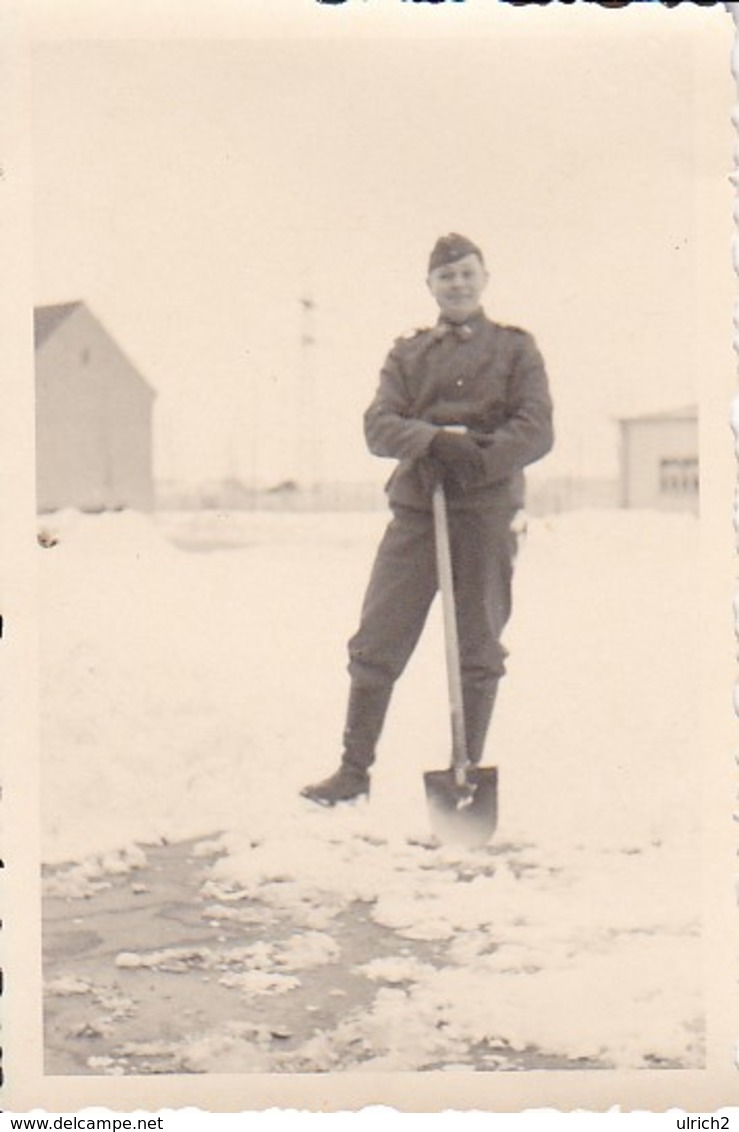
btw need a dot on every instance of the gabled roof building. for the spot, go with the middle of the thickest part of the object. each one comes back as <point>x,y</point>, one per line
<point>94,416</point>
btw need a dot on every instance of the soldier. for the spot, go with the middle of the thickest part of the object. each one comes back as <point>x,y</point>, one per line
<point>466,401</point>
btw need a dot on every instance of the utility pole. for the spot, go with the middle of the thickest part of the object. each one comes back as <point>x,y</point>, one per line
<point>307,445</point>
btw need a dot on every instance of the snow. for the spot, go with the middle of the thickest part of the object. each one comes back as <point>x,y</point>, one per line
<point>260,982</point>
<point>190,693</point>
<point>67,986</point>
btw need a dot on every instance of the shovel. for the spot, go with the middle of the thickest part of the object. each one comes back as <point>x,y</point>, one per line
<point>463,800</point>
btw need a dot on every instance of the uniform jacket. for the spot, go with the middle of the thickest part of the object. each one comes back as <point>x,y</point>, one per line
<point>485,376</point>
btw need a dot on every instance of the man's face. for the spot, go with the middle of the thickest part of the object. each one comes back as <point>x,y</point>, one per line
<point>458,287</point>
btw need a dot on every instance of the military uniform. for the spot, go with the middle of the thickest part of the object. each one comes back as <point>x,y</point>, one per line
<point>489,380</point>
<point>479,374</point>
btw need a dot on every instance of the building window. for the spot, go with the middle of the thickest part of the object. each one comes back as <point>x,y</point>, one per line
<point>678,476</point>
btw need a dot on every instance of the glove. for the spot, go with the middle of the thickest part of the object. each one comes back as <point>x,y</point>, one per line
<point>459,458</point>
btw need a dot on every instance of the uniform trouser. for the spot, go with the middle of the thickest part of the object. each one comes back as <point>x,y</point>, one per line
<point>401,589</point>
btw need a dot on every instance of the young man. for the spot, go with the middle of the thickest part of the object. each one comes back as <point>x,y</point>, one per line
<point>466,402</point>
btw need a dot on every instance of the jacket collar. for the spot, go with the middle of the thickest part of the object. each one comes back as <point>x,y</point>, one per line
<point>461,330</point>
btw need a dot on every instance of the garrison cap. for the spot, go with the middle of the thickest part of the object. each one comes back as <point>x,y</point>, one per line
<point>448,249</point>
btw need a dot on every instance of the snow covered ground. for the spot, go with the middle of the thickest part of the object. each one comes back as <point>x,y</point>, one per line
<point>190,691</point>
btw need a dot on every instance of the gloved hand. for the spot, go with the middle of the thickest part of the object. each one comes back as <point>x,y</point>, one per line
<point>458,457</point>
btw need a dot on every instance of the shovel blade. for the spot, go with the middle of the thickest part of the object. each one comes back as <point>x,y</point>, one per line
<point>466,815</point>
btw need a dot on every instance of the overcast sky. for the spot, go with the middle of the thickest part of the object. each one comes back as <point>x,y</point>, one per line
<point>193,191</point>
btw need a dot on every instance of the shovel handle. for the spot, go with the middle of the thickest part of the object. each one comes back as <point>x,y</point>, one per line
<point>460,762</point>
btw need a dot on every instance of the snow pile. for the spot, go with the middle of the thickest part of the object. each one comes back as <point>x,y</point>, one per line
<point>176,960</point>
<point>236,1048</point>
<point>256,982</point>
<point>598,731</point>
<point>193,694</point>
<point>180,692</point>
<point>396,969</point>
<point>67,985</point>
<point>258,960</point>
<point>593,1015</point>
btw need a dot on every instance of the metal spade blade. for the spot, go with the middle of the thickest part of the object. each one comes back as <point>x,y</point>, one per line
<point>463,800</point>
<point>464,815</point>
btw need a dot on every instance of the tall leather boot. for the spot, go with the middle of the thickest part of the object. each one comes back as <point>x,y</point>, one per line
<point>364,720</point>
<point>478,709</point>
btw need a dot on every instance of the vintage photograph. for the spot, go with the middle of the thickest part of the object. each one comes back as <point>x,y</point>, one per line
<point>369,385</point>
